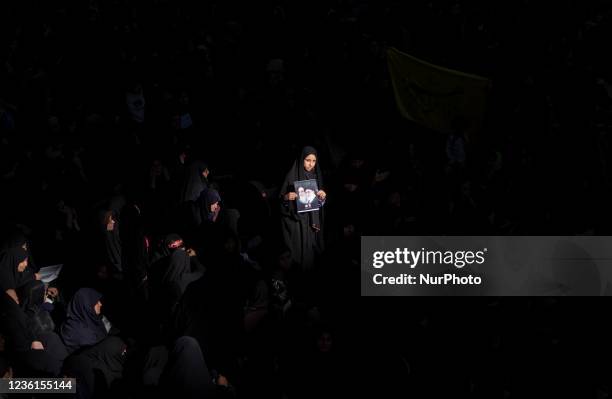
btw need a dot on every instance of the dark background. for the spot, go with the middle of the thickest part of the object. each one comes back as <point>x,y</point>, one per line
<point>540,166</point>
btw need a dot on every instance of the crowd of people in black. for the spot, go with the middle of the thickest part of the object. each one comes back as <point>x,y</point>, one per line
<point>143,146</point>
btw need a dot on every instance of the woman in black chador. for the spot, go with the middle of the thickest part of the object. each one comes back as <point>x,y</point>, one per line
<point>303,232</point>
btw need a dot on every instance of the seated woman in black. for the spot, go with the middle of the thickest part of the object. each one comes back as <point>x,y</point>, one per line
<point>180,273</point>
<point>36,353</point>
<point>32,300</point>
<point>175,268</point>
<point>11,277</point>
<point>98,369</point>
<point>83,326</point>
<point>214,216</point>
<point>186,375</point>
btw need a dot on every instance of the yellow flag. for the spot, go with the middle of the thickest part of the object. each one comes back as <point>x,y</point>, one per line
<point>437,97</point>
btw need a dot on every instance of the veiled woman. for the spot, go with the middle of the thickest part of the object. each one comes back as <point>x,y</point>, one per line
<point>303,232</point>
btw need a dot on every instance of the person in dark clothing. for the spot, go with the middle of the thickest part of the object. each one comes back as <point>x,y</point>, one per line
<point>187,375</point>
<point>196,181</point>
<point>194,185</point>
<point>173,268</point>
<point>32,354</point>
<point>179,274</point>
<point>97,369</point>
<point>13,263</point>
<point>178,166</point>
<point>32,300</point>
<point>134,247</point>
<point>16,239</point>
<point>169,243</point>
<point>160,260</point>
<point>155,361</point>
<point>112,241</point>
<point>318,369</point>
<point>218,308</point>
<point>303,232</point>
<point>83,325</point>
<point>210,205</point>
<point>213,216</point>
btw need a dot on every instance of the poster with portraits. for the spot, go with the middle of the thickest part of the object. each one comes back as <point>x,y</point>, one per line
<point>307,200</point>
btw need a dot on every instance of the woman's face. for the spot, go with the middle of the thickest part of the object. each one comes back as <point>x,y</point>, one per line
<point>214,207</point>
<point>22,265</point>
<point>310,162</point>
<point>98,307</point>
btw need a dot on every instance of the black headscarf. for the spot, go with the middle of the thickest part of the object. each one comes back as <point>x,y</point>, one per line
<point>83,327</point>
<point>31,298</point>
<point>134,256</point>
<point>208,197</point>
<point>16,239</point>
<point>297,173</point>
<point>164,249</point>
<point>212,196</point>
<point>302,174</point>
<point>194,183</point>
<point>9,260</point>
<point>178,266</point>
<point>112,241</point>
<point>172,241</point>
<point>13,239</point>
<point>297,230</point>
<point>178,276</point>
<point>161,259</point>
